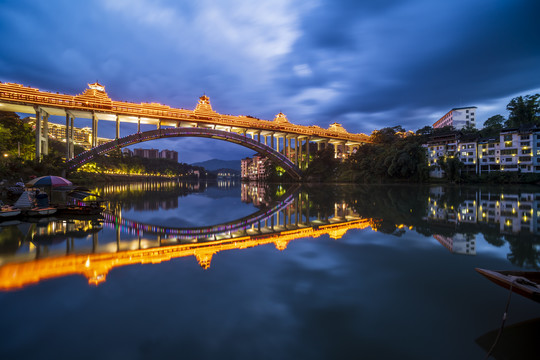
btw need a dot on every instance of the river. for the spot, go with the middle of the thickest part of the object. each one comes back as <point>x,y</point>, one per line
<point>232,271</point>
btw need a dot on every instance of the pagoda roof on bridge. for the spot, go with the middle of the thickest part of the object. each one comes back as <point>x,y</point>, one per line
<point>95,92</point>
<point>204,105</point>
<point>338,127</point>
<point>281,118</point>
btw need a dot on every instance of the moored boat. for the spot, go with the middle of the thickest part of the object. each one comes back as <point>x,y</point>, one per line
<point>38,211</point>
<point>525,283</point>
<point>9,212</point>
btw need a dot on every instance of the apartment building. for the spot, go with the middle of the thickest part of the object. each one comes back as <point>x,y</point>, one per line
<point>169,154</point>
<point>489,155</point>
<point>253,169</point>
<point>520,149</point>
<point>441,145</point>
<point>515,149</point>
<point>458,118</point>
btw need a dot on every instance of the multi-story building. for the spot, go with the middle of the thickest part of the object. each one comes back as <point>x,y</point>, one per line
<point>441,145</point>
<point>253,169</point>
<point>467,153</point>
<point>169,154</point>
<point>458,118</point>
<point>520,149</point>
<point>516,149</point>
<point>488,155</point>
<point>146,153</point>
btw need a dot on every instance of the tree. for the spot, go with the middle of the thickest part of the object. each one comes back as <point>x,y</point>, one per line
<point>426,130</point>
<point>451,167</point>
<point>495,122</point>
<point>386,135</point>
<point>523,110</point>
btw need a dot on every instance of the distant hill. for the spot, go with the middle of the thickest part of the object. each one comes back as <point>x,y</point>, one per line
<point>216,164</point>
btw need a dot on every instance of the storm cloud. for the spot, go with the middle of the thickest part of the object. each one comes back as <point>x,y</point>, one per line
<point>364,64</point>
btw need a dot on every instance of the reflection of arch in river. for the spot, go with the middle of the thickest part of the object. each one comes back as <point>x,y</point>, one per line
<point>96,265</point>
<point>225,229</point>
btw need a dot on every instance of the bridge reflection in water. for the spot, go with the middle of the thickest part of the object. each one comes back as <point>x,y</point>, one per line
<point>40,257</point>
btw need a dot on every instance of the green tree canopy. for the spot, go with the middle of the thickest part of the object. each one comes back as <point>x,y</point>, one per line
<point>523,110</point>
<point>495,122</point>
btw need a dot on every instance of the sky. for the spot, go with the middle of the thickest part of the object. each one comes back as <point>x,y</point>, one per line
<point>364,64</point>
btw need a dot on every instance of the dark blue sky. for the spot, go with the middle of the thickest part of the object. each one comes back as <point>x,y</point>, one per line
<point>365,64</point>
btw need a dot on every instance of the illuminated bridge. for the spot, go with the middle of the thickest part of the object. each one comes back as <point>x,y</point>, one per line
<point>278,138</point>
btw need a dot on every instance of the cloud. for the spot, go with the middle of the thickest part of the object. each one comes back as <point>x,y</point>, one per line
<point>367,65</point>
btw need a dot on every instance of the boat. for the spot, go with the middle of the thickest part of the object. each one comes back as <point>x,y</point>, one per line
<point>9,212</point>
<point>525,283</point>
<point>40,211</point>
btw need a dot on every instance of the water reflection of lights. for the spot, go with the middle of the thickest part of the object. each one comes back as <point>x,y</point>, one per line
<point>95,266</point>
<point>492,208</point>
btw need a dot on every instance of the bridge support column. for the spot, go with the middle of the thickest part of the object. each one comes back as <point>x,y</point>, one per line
<point>94,129</point>
<point>139,124</point>
<point>117,127</point>
<point>45,134</point>
<point>42,133</point>
<point>300,154</point>
<point>337,149</point>
<point>307,152</point>
<point>272,141</point>
<point>70,135</point>
<point>296,151</point>
<point>38,134</point>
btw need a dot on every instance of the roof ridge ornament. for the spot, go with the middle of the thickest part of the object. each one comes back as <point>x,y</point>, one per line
<point>204,104</point>
<point>338,128</point>
<point>281,118</point>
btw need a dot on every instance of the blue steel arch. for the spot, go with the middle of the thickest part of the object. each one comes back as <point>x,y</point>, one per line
<point>242,140</point>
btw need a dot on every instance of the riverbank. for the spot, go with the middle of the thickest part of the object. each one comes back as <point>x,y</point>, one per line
<point>83,178</point>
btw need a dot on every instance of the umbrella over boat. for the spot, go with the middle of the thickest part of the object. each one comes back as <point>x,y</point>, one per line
<point>49,181</point>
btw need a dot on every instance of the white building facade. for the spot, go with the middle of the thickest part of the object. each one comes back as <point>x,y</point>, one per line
<point>516,149</point>
<point>458,118</point>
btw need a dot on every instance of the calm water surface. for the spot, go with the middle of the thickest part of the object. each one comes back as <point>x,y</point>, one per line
<point>231,271</point>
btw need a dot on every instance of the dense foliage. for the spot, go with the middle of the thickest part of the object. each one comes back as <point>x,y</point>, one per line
<point>116,163</point>
<point>393,156</point>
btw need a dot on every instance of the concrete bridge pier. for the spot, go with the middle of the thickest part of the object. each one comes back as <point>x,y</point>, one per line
<point>117,135</point>
<point>42,133</point>
<point>296,151</point>
<point>70,135</point>
<point>94,129</point>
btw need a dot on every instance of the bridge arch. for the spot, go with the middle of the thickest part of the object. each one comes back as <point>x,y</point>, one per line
<point>242,140</point>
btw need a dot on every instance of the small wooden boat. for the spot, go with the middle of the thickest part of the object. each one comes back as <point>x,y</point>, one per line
<point>525,283</point>
<point>9,212</point>
<point>41,211</point>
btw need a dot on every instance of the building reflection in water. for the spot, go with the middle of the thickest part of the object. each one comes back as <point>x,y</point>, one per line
<point>52,248</point>
<point>508,213</point>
